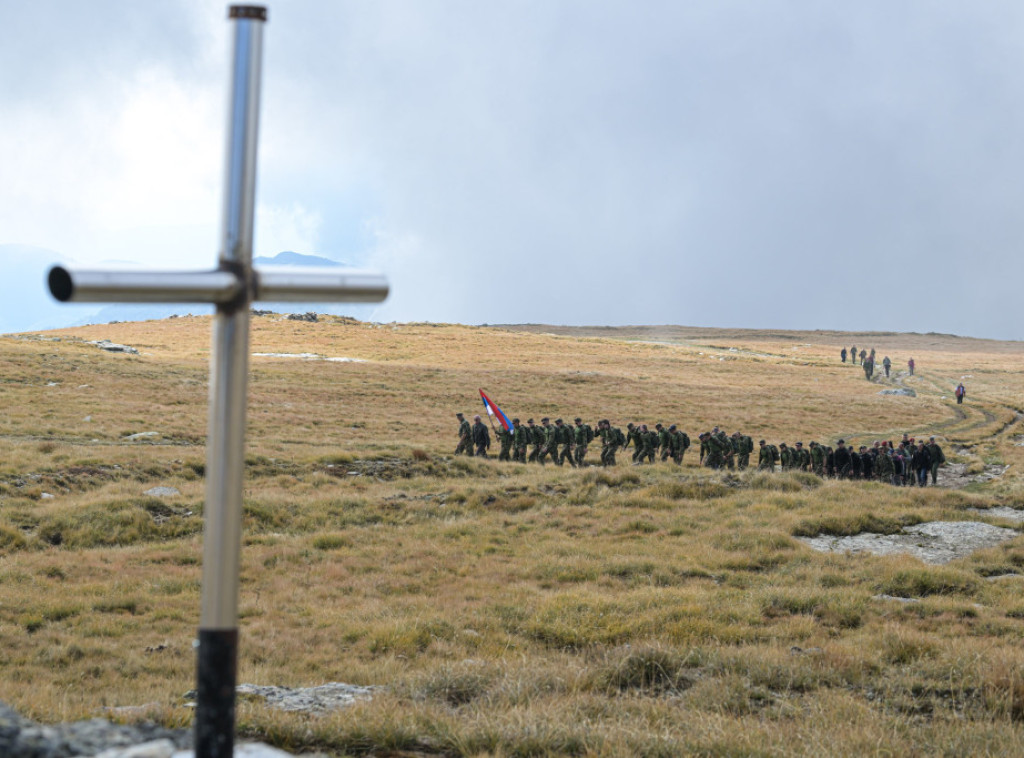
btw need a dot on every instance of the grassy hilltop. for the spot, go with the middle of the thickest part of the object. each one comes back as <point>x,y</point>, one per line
<point>508,610</point>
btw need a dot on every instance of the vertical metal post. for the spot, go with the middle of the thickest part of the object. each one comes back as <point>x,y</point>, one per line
<point>216,670</point>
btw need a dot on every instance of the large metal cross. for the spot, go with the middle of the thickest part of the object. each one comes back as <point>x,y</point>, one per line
<point>232,287</point>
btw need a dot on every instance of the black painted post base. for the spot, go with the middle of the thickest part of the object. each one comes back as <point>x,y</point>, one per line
<point>216,675</point>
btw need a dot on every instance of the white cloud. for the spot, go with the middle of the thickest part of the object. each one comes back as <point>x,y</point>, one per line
<point>291,227</point>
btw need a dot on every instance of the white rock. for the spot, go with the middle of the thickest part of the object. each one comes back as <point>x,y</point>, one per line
<point>162,492</point>
<point>142,435</point>
<point>46,496</point>
<point>247,750</point>
<point>154,749</point>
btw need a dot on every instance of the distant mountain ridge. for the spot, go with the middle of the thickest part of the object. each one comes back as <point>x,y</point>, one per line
<point>290,258</point>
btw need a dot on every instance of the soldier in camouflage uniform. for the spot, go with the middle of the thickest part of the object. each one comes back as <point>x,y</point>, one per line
<point>583,437</point>
<point>609,441</point>
<point>618,439</point>
<point>883,465</point>
<point>785,457</point>
<point>465,437</point>
<point>681,443</point>
<point>664,442</point>
<point>744,447</point>
<point>548,444</point>
<point>564,437</point>
<point>633,438</point>
<point>715,457</point>
<point>648,442</point>
<point>725,447</point>
<point>801,458</point>
<point>520,439</point>
<point>817,453</point>
<point>505,438</point>
<point>536,438</point>
<point>705,448</point>
<point>765,460</point>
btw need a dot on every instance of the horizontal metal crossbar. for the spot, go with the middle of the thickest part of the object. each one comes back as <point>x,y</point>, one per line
<point>219,286</point>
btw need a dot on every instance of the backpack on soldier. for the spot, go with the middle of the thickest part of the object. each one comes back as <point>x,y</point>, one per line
<point>589,433</point>
<point>748,444</point>
<point>620,438</point>
<point>686,440</point>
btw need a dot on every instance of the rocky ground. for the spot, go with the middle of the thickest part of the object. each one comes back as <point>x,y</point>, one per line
<point>22,738</point>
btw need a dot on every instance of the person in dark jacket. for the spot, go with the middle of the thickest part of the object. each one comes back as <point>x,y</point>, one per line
<point>937,458</point>
<point>922,463</point>
<point>841,458</point>
<point>481,437</point>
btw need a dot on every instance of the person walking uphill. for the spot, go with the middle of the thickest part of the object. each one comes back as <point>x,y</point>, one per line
<point>910,365</point>
<point>481,437</point>
<point>886,364</point>
<point>465,437</point>
<point>960,393</point>
<point>937,458</point>
<point>921,462</point>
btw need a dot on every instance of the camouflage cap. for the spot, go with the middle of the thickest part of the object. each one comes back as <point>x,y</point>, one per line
<point>558,421</point>
<point>459,414</point>
<point>761,442</point>
<point>544,420</point>
<point>578,420</point>
<point>672,428</point>
<point>529,421</point>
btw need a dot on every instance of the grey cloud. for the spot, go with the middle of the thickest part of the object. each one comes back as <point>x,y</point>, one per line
<point>791,164</point>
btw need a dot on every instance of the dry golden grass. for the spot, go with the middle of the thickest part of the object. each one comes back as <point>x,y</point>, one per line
<point>508,610</point>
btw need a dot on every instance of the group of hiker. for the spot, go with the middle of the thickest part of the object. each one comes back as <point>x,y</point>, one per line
<point>908,463</point>
<point>532,443</point>
<point>867,361</point>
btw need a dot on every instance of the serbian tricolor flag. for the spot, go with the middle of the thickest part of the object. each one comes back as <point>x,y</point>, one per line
<point>493,410</point>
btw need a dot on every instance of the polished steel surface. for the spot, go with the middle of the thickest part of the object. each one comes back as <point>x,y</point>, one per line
<point>320,285</point>
<point>100,286</point>
<point>225,445</point>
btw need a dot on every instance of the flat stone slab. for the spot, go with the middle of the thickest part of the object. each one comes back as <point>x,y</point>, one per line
<point>903,391</point>
<point>113,347</point>
<point>936,542</point>
<point>310,357</point>
<point>162,492</point>
<point>320,699</point>
<point>1000,511</point>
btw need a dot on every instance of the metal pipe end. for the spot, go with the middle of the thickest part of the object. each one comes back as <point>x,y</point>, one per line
<point>253,12</point>
<point>60,284</point>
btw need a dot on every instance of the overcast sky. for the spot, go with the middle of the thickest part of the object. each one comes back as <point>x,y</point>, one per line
<point>792,164</point>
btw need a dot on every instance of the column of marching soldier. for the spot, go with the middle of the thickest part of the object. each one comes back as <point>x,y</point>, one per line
<point>910,462</point>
